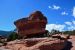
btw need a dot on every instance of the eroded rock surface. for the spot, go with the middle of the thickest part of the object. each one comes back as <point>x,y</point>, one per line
<point>36,44</point>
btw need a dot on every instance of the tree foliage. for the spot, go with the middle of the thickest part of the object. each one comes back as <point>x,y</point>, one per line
<point>53,31</point>
<point>69,32</point>
<point>12,36</point>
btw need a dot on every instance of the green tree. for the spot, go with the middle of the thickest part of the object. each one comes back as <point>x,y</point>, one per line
<point>73,32</point>
<point>69,32</point>
<point>53,31</point>
<point>12,36</point>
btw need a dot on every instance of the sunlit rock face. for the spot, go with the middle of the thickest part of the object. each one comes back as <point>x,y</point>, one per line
<point>34,24</point>
<point>35,44</point>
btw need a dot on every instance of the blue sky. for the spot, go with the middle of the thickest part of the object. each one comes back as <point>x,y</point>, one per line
<point>60,13</point>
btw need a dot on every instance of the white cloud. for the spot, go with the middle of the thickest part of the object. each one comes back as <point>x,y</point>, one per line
<point>74,11</point>
<point>73,22</point>
<point>49,7</point>
<point>64,13</point>
<point>71,25</point>
<point>54,7</point>
<point>68,23</point>
<point>71,28</point>
<point>55,26</point>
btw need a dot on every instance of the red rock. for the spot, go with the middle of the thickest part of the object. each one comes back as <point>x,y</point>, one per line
<point>34,24</point>
<point>41,44</point>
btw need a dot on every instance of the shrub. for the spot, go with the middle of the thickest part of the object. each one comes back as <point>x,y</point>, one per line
<point>12,36</point>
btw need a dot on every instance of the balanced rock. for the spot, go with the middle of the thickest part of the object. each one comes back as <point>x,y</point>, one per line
<point>33,25</point>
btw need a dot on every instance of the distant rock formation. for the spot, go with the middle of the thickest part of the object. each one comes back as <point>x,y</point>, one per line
<point>34,25</point>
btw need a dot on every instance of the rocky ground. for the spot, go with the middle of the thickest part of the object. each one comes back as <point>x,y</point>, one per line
<point>34,44</point>
<point>70,44</point>
<point>72,40</point>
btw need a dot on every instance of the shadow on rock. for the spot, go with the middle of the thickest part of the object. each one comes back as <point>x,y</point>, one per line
<point>68,45</point>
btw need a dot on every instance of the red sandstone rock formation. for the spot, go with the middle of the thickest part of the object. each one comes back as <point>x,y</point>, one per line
<point>36,44</point>
<point>34,24</point>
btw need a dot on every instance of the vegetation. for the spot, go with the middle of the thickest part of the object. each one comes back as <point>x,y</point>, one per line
<point>55,31</point>
<point>69,32</point>
<point>12,36</point>
<point>64,32</point>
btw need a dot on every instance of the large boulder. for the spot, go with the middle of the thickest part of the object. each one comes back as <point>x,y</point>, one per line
<point>34,24</point>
